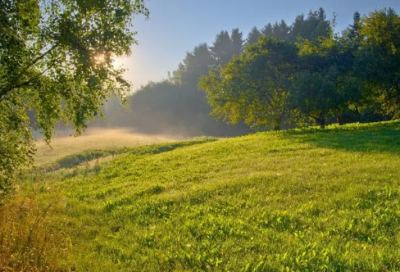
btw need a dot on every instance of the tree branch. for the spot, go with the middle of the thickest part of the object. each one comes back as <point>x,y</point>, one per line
<point>4,92</point>
<point>35,60</point>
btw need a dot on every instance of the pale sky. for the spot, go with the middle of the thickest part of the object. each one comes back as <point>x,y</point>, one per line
<point>177,26</point>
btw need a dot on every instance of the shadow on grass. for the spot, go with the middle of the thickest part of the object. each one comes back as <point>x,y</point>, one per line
<point>378,137</point>
<point>90,155</point>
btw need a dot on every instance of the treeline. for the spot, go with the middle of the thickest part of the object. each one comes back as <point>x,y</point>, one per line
<point>280,81</point>
<point>279,76</point>
<point>176,105</point>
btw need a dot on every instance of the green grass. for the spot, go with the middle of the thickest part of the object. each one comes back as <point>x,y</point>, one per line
<point>300,200</point>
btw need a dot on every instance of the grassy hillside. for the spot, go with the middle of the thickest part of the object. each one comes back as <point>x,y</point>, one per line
<point>303,200</point>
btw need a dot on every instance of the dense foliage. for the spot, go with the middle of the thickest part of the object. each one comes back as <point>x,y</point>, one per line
<point>318,76</point>
<point>254,86</point>
<point>57,60</point>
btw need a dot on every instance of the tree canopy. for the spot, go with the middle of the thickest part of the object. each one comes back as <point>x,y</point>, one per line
<point>254,86</point>
<point>56,59</point>
<point>307,74</point>
<point>379,60</point>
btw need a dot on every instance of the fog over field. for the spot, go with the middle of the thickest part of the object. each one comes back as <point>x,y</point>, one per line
<point>94,138</point>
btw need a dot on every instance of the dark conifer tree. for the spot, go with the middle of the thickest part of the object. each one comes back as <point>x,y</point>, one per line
<point>220,50</point>
<point>237,41</point>
<point>268,30</point>
<point>253,36</point>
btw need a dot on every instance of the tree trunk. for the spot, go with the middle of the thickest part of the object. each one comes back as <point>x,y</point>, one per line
<point>322,121</point>
<point>277,125</point>
<point>339,120</point>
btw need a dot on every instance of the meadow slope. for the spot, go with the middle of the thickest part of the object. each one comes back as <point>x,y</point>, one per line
<point>299,200</point>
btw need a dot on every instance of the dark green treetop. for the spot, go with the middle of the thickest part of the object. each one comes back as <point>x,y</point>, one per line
<point>379,60</point>
<point>253,87</point>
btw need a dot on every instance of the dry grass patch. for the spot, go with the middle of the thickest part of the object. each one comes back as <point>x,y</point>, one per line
<point>30,237</point>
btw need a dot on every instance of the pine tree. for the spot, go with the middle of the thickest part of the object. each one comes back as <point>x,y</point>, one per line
<point>253,36</point>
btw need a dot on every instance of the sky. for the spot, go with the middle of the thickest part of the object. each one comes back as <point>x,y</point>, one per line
<point>175,27</point>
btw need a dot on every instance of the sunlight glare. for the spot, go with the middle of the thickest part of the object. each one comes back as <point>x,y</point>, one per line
<point>99,59</point>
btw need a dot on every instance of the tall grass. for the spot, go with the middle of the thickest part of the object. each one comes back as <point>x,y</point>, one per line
<point>29,238</point>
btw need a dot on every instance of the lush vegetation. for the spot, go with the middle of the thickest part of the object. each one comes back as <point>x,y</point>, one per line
<point>309,199</point>
<point>57,63</point>
<point>31,236</point>
<point>278,77</point>
<point>277,81</point>
<point>296,200</point>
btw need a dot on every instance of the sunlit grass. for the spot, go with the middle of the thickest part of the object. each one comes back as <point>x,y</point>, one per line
<point>304,200</point>
<point>32,234</point>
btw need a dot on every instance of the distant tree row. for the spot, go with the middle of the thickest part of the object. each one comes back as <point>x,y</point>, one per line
<point>305,74</point>
<point>277,77</point>
<point>176,105</point>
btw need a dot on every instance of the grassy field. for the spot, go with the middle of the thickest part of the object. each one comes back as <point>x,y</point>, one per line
<point>300,200</point>
<point>104,139</point>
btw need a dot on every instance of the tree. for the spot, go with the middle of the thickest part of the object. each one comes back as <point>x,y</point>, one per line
<point>225,46</point>
<point>253,36</point>
<point>221,47</point>
<point>281,30</point>
<point>311,28</point>
<point>325,84</point>
<point>356,26</point>
<point>379,60</point>
<point>268,30</point>
<point>57,59</point>
<point>237,42</point>
<point>297,28</point>
<point>254,87</point>
<point>195,64</point>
